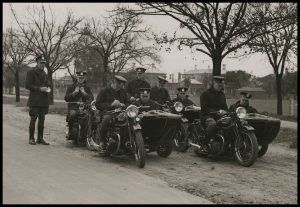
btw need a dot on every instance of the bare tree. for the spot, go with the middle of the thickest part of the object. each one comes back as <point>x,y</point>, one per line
<point>117,40</point>
<point>279,45</point>
<point>56,42</point>
<point>15,54</point>
<point>217,29</point>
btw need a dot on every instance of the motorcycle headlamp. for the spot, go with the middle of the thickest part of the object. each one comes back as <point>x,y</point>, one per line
<point>178,106</point>
<point>241,112</point>
<point>132,111</point>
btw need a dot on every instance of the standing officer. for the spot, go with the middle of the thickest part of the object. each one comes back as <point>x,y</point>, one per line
<point>211,100</point>
<point>159,93</point>
<point>77,92</point>
<point>244,102</point>
<point>134,86</point>
<point>109,98</point>
<point>39,86</point>
<point>183,97</point>
<point>145,100</point>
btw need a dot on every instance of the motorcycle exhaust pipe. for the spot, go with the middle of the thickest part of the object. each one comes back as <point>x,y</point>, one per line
<point>195,145</point>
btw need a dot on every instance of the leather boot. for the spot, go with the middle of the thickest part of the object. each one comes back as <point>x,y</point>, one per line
<point>40,139</point>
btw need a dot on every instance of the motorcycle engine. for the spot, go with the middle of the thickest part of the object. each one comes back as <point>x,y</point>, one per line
<point>217,145</point>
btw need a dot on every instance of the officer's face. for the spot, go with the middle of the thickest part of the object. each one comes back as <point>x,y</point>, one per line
<point>161,83</point>
<point>41,64</point>
<point>139,75</point>
<point>145,98</point>
<point>218,85</point>
<point>182,94</point>
<point>244,101</point>
<point>80,79</point>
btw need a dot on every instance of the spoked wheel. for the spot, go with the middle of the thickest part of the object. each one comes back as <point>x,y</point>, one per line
<point>246,149</point>
<point>164,150</point>
<point>263,150</point>
<point>180,141</point>
<point>139,149</point>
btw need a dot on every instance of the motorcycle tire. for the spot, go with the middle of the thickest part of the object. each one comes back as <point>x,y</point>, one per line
<point>199,153</point>
<point>263,150</point>
<point>74,135</point>
<point>254,150</point>
<point>89,136</point>
<point>140,154</point>
<point>165,150</point>
<point>180,142</point>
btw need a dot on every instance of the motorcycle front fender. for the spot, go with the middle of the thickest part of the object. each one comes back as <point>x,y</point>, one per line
<point>184,120</point>
<point>136,126</point>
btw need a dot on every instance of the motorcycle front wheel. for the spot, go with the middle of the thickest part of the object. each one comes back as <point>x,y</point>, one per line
<point>140,154</point>
<point>246,149</point>
<point>180,141</point>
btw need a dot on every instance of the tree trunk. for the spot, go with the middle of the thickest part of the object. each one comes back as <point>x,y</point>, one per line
<point>217,61</point>
<point>51,97</point>
<point>279,94</point>
<point>17,77</point>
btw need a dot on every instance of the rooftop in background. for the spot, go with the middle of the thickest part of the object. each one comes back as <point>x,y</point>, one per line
<point>198,71</point>
<point>249,89</point>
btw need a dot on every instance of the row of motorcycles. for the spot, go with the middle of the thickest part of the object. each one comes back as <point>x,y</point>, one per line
<point>135,132</point>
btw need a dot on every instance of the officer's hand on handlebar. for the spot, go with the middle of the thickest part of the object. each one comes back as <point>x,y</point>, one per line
<point>43,89</point>
<point>221,111</point>
<point>116,103</point>
<point>132,99</point>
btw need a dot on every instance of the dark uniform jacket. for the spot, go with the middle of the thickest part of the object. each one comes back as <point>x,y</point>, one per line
<point>107,95</point>
<point>161,95</point>
<point>185,102</point>
<point>134,86</point>
<point>212,100</point>
<point>153,105</point>
<point>35,79</point>
<point>249,108</point>
<point>69,97</point>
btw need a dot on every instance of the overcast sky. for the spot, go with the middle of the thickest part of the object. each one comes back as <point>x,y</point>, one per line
<point>173,62</point>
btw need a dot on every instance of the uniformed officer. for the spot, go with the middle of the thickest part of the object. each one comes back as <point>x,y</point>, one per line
<point>144,100</point>
<point>38,84</point>
<point>183,97</point>
<point>211,100</point>
<point>109,98</point>
<point>134,85</point>
<point>159,93</point>
<point>244,102</point>
<point>79,91</point>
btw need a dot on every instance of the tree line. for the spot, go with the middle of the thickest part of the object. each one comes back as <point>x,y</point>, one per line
<point>217,30</point>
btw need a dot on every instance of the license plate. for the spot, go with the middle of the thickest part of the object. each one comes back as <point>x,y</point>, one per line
<point>184,120</point>
<point>136,126</point>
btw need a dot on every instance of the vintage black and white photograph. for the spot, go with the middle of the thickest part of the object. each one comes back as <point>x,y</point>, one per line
<point>150,103</point>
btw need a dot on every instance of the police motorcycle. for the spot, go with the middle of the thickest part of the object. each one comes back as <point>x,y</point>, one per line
<point>189,114</point>
<point>81,124</point>
<point>266,128</point>
<point>124,135</point>
<point>234,136</point>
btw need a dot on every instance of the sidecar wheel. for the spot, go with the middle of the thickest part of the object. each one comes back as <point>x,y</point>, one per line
<point>263,150</point>
<point>180,141</point>
<point>246,149</point>
<point>140,154</point>
<point>165,150</point>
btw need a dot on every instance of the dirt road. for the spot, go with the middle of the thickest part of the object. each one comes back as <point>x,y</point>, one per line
<point>69,174</point>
